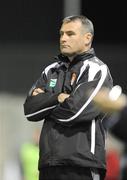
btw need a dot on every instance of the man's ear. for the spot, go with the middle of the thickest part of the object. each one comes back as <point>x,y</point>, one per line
<point>88,38</point>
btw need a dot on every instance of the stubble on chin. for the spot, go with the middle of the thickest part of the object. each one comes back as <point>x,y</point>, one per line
<point>68,54</point>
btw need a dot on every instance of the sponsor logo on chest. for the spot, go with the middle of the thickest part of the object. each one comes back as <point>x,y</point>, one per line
<point>52,82</point>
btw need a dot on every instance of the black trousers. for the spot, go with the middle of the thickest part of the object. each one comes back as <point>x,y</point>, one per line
<point>68,173</point>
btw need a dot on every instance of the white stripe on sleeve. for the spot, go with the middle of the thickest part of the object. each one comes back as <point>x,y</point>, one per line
<point>40,111</point>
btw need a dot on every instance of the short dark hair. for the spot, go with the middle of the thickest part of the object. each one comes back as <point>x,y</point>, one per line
<point>88,25</point>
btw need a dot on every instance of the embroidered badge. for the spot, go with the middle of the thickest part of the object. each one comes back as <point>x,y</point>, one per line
<point>52,82</point>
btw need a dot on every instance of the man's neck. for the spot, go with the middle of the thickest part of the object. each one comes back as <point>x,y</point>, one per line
<point>72,57</point>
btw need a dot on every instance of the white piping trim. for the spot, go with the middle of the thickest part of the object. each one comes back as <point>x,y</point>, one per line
<point>82,69</point>
<point>93,69</point>
<point>103,69</point>
<point>77,88</point>
<point>42,110</point>
<point>95,174</point>
<point>93,136</point>
<point>49,67</point>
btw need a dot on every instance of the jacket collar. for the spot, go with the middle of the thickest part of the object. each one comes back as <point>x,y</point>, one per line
<point>81,57</point>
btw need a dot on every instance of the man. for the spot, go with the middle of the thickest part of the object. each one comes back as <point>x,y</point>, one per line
<point>117,108</point>
<point>72,141</point>
<point>29,157</point>
<point>118,122</point>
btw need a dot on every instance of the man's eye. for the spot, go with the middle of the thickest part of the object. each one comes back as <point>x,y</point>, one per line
<point>70,34</point>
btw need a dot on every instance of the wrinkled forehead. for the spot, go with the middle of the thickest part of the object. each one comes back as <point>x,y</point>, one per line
<point>71,26</point>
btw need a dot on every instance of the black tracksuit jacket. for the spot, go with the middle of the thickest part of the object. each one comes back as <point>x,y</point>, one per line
<point>72,132</point>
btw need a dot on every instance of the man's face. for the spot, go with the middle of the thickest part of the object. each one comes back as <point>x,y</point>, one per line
<point>72,38</point>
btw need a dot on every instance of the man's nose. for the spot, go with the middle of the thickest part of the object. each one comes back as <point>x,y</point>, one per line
<point>63,38</point>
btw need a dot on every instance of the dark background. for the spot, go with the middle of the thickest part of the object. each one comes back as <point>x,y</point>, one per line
<point>29,38</point>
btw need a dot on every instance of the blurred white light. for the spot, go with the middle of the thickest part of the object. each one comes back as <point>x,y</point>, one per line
<point>115,93</point>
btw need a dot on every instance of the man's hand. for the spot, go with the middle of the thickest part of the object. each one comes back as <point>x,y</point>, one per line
<point>37,91</point>
<point>62,97</point>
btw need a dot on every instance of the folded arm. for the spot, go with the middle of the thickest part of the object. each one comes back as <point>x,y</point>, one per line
<point>79,105</point>
<point>40,101</point>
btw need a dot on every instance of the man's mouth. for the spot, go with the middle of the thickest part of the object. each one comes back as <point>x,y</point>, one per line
<point>64,46</point>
